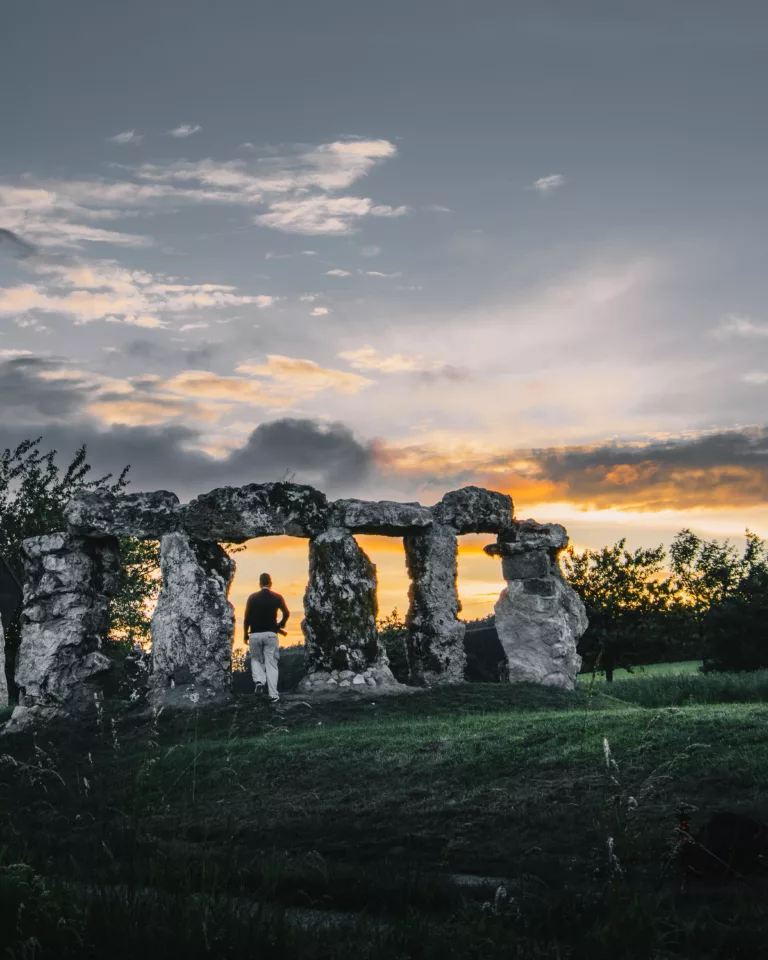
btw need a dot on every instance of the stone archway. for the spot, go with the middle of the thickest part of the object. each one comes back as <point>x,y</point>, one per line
<point>70,576</point>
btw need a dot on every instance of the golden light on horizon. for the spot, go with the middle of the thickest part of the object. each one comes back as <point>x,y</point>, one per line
<point>287,560</point>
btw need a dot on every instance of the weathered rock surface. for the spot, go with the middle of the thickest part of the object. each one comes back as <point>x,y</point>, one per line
<point>193,624</point>
<point>524,535</point>
<point>3,679</point>
<point>98,513</point>
<point>539,617</point>
<point>340,610</point>
<point>435,636</point>
<point>474,510</point>
<point>68,581</point>
<point>538,629</point>
<point>385,517</point>
<point>235,514</point>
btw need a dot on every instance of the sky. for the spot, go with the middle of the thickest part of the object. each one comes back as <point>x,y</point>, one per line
<point>391,250</point>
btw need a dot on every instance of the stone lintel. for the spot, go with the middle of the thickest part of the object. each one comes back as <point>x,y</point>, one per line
<point>384,517</point>
<point>98,513</point>
<point>236,514</point>
<point>474,510</point>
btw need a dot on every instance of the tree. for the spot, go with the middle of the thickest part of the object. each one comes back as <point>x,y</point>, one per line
<point>392,633</point>
<point>726,598</point>
<point>33,494</point>
<point>131,608</point>
<point>623,593</point>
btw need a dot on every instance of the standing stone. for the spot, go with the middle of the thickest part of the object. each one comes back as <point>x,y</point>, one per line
<point>340,610</point>
<point>193,624</point>
<point>68,581</point>
<point>539,617</point>
<point>435,635</point>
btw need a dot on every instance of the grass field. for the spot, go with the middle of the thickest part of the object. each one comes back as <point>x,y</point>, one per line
<point>364,826</point>
<point>651,670</point>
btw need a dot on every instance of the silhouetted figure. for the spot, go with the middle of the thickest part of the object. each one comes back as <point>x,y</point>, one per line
<point>728,845</point>
<point>260,622</point>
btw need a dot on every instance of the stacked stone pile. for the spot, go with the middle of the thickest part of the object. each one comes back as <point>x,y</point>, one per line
<point>539,617</point>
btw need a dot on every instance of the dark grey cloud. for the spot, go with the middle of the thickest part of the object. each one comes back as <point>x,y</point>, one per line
<point>328,456</point>
<point>26,397</point>
<point>727,468</point>
<point>747,448</point>
<point>12,244</point>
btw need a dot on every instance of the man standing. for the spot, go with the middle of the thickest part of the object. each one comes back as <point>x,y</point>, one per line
<point>261,621</point>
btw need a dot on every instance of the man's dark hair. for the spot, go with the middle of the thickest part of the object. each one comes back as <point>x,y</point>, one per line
<point>265,580</point>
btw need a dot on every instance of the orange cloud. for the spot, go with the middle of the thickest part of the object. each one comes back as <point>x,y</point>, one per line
<point>710,470</point>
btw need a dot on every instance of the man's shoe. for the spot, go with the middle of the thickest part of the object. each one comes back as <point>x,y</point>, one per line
<point>274,700</point>
<point>259,689</point>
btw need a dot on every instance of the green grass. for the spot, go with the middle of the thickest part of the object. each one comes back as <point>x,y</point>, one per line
<point>214,828</point>
<point>650,670</point>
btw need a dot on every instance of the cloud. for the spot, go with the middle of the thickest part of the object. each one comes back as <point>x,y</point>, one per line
<point>715,470</point>
<point>547,184</point>
<point>378,273</point>
<point>46,219</point>
<point>192,326</point>
<point>328,167</point>
<point>735,325</point>
<point>323,214</point>
<point>106,291</point>
<point>367,358</point>
<point>309,297</point>
<point>309,253</point>
<point>756,377</point>
<point>305,377</point>
<point>326,455</point>
<point>370,251</point>
<point>127,136</point>
<point>295,192</point>
<point>437,208</point>
<point>32,388</point>
<point>319,312</point>
<point>13,244</point>
<point>185,130</point>
<point>338,273</point>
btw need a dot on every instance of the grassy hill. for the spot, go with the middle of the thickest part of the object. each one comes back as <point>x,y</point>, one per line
<point>379,826</point>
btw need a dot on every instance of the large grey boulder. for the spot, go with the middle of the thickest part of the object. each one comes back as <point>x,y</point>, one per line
<point>384,517</point>
<point>539,617</point>
<point>539,623</point>
<point>235,514</point>
<point>340,610</point>
<point>474,510</point>
<point>435,636</point>
<point>193,624</point>
<point>98,513</point>
<point>68,581</point>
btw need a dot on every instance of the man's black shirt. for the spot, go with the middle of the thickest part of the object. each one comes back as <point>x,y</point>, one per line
<point>261,612</point>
